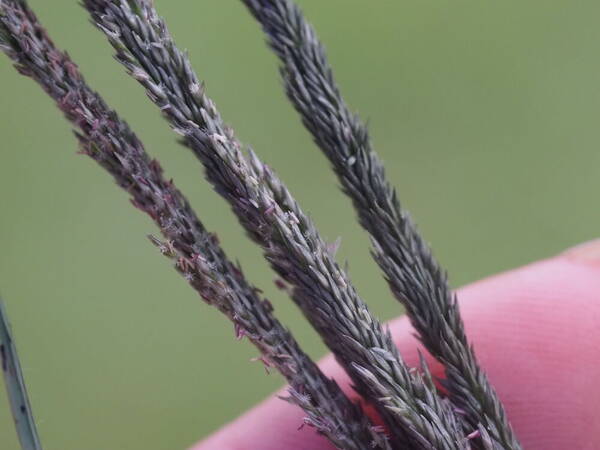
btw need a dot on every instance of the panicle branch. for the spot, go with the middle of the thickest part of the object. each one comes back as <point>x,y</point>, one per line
<point>273,219</point>
<point>414,275</point>
<point>198,257</point>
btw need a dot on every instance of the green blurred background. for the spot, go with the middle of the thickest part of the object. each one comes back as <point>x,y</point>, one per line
<point>486,114</point>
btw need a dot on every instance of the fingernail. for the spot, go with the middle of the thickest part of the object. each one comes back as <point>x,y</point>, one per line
<point>587,253</point>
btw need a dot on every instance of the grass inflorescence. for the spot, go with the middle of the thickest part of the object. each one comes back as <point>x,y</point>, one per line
<point>416,414</point>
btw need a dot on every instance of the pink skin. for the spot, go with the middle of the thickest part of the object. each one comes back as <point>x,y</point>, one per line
<point>536,331</point>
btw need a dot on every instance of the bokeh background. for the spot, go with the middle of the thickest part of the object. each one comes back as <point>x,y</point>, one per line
<point>486,114</point>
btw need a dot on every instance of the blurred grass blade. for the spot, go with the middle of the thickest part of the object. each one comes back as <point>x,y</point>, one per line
<point>15,386</point>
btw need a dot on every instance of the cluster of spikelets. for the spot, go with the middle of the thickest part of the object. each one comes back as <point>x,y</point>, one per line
<point>463,412</point>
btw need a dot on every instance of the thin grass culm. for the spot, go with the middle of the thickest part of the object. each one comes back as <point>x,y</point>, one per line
<point>463,414</point>
<point>15,386</point>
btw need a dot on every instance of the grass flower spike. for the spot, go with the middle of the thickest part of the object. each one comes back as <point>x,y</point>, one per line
<point>414,275</point>
<point>464,413</point>
<point>196,253</point>
<point>275,221</point>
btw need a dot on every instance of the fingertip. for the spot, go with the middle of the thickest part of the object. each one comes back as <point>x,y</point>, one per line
<point>587,253</point>
<point>535,331</point>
